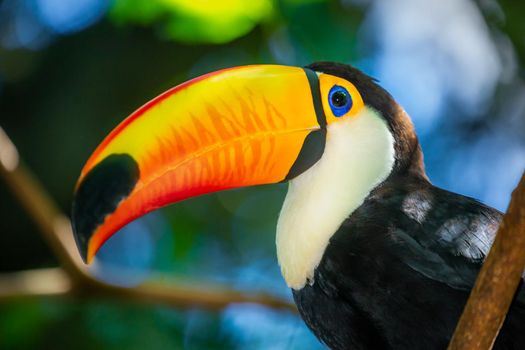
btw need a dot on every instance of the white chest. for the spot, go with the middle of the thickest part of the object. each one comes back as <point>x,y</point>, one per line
<point>359,154</point>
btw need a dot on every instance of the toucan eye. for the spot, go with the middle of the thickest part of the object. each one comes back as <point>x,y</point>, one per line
<point>340,100</point>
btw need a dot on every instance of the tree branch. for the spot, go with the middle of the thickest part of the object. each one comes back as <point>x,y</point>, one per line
<point>74,279</point>
<point>53,225</point>
<point>55,282</point>
<point>497,281</point>
<point>43,282</point>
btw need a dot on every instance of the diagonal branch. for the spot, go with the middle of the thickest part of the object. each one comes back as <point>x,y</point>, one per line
<point>41,208</point>
<point>497,281</point>
<point>74,279</point>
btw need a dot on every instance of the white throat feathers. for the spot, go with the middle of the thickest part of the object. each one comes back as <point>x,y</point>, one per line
<point>358,155</point>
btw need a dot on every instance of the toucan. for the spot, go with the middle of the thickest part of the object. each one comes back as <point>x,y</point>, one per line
<point>375,255</point>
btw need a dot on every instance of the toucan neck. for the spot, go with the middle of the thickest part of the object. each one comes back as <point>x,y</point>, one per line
<point>358,156</point>
<point>408,153</point>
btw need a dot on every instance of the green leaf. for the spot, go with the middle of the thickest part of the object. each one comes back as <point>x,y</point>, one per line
<point>197,21</point>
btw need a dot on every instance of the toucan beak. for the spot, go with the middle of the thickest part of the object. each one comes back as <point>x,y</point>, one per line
<point>236,127</point>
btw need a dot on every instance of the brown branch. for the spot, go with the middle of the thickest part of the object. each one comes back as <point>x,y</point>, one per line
<point>42,282</point>
<point>497,281</point>
<point>184,296</point>
<point>74,279</point>
<point>38,204</point>
<point>55,282</point>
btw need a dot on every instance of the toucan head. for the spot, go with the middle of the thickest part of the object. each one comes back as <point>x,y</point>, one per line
<point>328,129</point>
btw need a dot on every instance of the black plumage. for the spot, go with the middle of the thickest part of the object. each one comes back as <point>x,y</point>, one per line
<point>398,272</point>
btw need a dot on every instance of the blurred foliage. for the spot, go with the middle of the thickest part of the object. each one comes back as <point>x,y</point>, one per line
<point>66,82</point>
<point>513,25</point>
<point>103,325</point>
<point>196,21</point>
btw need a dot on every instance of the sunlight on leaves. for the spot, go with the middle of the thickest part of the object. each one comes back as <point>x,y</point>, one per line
<point>198,21</point>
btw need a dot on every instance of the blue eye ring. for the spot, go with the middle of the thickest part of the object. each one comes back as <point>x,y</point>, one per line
<point>340,100</point>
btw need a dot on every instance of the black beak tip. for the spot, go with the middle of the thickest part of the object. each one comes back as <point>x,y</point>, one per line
<point>81,239</point>
<point>99,194</point>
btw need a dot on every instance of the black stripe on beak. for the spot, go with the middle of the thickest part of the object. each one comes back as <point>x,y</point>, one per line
<point>313,146</point>
<point>313,80</point>
<point>99,194</point>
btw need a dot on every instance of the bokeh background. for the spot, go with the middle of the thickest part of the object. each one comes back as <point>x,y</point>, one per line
<point>71,70</point>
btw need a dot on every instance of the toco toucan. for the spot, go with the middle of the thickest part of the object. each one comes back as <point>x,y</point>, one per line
<point>376,256</point>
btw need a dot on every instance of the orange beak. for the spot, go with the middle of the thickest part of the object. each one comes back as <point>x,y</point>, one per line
<point>237,127</point>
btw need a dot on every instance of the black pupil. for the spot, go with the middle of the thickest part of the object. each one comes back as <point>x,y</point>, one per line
<point>339,99</point>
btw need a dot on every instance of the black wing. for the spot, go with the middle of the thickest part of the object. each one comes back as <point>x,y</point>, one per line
<point>407,259</point>
<point>445,236</point>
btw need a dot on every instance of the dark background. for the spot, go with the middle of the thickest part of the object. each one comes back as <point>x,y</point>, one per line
<point>71,70</point>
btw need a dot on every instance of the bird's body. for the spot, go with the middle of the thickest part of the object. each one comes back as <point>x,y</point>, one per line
<point>376,256</point>
<point>399,269</point>
<point>398,272</point>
